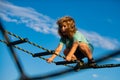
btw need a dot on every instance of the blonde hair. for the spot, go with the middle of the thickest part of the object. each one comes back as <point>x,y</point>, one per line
<point>70,24</point>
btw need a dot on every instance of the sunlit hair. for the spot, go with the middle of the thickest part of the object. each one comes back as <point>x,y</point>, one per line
<point>70,24</point>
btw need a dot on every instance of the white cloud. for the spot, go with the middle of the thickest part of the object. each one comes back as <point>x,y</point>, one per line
<point>28,16</point>
<point>95,75</point>
<point>104,42</point>
<point>42,23</point>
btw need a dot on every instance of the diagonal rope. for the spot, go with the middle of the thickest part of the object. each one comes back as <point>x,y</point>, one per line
<point>13,53</point>
<point>30,53</point>
<point>107,66</point>
<point>86,66</point>
<point>34,44</point>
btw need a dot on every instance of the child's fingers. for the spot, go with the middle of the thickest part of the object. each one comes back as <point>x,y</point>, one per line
<point>49,60</point>
<point>68,58</point>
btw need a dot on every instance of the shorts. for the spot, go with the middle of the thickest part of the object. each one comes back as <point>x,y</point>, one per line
<point>79,55</point>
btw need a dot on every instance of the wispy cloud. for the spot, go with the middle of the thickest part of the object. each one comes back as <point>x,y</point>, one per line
<point>43,23</point>
<point>28,16</point>
<point>104,42</point>
<point>95,75</point>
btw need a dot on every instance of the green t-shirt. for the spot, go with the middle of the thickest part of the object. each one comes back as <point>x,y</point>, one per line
<point>76,37</point>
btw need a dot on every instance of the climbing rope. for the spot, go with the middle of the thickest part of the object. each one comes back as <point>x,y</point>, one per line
<point>86,66</point>
<point>34,44</point>
<point>30,53</point>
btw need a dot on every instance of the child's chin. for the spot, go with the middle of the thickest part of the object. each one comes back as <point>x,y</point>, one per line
<point>64,34</point>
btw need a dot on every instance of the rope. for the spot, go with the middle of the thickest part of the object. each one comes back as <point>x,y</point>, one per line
<point>86,66</point>
<point>30,53</point>
<point>34,44</point>
<point>107,66</point>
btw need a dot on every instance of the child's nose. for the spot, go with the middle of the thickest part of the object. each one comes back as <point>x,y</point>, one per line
<point>63,29</point>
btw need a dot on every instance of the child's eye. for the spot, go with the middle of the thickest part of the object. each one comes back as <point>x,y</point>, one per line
<point>64,26</point>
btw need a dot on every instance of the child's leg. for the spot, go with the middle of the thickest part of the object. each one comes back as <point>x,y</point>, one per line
<point>85,49</point>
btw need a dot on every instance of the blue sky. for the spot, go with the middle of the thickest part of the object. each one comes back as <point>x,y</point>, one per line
<point>98,20</point>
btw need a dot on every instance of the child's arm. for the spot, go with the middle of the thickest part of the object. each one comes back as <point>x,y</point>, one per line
<point>57,51</point>
<point>72,51</point>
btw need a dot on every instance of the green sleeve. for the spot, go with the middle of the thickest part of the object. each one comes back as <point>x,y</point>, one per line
<point>62,41</point>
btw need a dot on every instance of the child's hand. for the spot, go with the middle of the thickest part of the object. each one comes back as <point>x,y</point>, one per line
<point>49,60</point>
<point>68,58</point>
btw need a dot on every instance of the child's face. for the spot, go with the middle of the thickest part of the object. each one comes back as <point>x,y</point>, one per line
<point>64,28</point>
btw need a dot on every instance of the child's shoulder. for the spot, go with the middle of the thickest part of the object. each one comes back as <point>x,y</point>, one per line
<point>77,33</point>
